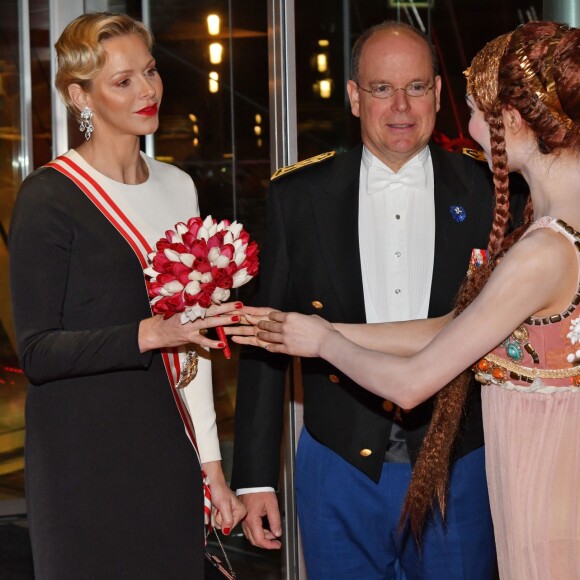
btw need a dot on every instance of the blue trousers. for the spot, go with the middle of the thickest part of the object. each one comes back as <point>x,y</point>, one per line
<point>349,523</point>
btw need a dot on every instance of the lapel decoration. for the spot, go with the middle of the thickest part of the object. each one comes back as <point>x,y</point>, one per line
<point>458,213</point>
<point>478,257</point>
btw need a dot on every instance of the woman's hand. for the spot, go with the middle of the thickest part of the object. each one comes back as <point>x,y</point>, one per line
<point>227,510</point>
<point>157,332</point>
<point>294,334</point>
<point>246,332</point>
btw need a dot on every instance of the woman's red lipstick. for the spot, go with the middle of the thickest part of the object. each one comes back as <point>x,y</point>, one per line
<point>148,111</point>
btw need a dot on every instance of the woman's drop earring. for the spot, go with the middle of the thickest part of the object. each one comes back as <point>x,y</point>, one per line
<point>86,122</point>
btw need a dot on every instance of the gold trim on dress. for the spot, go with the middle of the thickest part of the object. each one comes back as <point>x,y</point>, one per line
<point>533,373</point>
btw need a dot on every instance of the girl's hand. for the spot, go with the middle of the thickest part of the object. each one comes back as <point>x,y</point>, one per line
<point>246,332</point>
<point>157,332</point>
<point>292,333</point>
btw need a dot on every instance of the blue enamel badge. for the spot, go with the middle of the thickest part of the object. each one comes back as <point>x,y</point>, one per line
<point>458,213</point>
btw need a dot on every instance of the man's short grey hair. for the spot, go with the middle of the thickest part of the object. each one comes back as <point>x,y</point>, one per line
<point>388,25</point>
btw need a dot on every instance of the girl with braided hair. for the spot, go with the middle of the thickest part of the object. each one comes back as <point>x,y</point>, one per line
<point>516,322</point>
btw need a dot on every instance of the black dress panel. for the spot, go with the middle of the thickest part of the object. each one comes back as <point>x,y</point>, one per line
<point>113,484</point>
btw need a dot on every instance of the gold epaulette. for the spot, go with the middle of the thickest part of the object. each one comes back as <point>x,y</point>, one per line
<point>310,161</point>
<point>474,154</point>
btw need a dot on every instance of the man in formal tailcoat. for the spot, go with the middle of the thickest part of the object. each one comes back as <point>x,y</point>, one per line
<point>383,232</point>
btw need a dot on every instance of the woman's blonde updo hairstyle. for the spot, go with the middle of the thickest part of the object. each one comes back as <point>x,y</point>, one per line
<point>80,53</point>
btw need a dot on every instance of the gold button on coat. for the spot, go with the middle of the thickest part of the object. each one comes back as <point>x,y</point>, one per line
<point>318,305</point>
<point>388,406</point>
<point>333,379</point>
<point>365,452</point>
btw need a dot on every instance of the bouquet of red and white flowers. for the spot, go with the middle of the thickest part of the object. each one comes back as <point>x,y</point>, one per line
<point>197,264</point>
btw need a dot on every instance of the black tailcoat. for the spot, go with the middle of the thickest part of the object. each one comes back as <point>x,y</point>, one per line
<point>312,254</point>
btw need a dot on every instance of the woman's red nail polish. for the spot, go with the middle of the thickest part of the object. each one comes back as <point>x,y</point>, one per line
<point>221,344</point>
<point>235,318</point>
<point>226,531</point>
<point>238,305</point>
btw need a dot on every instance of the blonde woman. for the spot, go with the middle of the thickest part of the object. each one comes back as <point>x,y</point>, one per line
<point>113,479</point>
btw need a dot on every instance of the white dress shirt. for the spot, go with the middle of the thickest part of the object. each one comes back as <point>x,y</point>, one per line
<point>396,237</point>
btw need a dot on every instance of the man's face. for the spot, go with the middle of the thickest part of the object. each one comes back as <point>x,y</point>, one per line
<point>395,129</point>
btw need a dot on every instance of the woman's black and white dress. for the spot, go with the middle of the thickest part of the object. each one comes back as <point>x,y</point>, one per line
<point>113,483</point>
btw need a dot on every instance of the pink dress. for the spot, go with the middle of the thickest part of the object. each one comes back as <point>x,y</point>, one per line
<point>531,414</point>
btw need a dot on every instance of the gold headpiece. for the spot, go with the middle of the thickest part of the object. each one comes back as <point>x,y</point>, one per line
<point>545,90</point>
<point>483,72</point>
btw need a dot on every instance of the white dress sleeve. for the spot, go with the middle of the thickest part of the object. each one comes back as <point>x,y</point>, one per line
<point>198,398</point>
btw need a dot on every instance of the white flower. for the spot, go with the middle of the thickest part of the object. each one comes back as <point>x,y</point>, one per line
<point>235,228</point>
<point>187,259</point>
<point>240,254</point>
<point>221,261</point>
<point>192,313</point>
<point>193,288</point>
<point>151,273</point>
<point>574,334</point>
<point>181,228</point>
<point>213,254</point>
<point>220,295</point>
<point>176,238</point>
<point>172,255</point>
<point>171,288</point>
<point>240,278</point>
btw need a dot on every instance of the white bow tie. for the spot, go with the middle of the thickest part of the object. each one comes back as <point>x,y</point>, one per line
<point>380,180</point>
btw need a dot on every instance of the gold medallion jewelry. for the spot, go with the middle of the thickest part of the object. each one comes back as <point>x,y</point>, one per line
<point>188,370</point>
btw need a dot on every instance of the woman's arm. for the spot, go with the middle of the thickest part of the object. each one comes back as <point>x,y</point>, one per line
<point>539,274</point>
<point>401,338</point>
<point>43,234</point>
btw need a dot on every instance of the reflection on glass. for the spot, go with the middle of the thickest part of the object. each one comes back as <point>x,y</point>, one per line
<point>12,396</point>
<point>215,53</point>
<point>214,85</point>
<point>12,381</point>
<point>213,24</point>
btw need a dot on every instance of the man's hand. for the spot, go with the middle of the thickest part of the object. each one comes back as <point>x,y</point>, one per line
<point>260,504</point>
